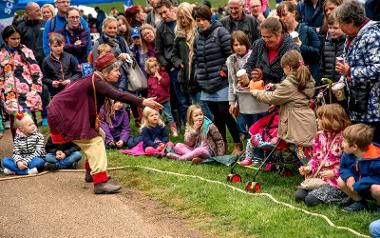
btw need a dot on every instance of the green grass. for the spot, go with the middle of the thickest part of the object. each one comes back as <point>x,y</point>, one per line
<point>219,210</point>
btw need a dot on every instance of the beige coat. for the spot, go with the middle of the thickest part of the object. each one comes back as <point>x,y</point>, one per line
<point>297,123</point>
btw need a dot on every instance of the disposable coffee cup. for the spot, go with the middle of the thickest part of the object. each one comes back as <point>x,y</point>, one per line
<point>294,35</point>
<point>338,90</point>
<point>242,76</point>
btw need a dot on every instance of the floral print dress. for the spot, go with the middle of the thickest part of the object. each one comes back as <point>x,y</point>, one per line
<point>20,80</point>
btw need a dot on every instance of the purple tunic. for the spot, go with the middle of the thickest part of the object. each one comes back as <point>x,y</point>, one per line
<point>120,129</point>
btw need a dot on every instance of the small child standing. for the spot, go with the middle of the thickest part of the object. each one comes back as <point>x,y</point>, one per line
<point>159,86</point>
<point>61,156</point>
<point>59,68</point>
<point>327,151</point>
<point>202,139</point>
<point>360,167</point>
<point>29,148</point>
<point>297,124</point>
<point>115,125</point>
<point>154,134</point>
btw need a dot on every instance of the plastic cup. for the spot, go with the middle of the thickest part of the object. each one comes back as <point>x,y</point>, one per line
<point>338,90</point>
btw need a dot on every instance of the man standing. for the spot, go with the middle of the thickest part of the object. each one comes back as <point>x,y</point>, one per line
<point>58,22</point>
<point>31,29</point>
<point>99,19</point>
<point>164,45</point>
<point>238,20</point>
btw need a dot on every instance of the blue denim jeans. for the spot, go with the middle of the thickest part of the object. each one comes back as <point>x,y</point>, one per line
<point>65,163</point>
<point>10,164</point>
<point>167,111</point>
<point>133,141</point>
<point>374,229</point>
<point>178,96</point>
<point>206,110</point>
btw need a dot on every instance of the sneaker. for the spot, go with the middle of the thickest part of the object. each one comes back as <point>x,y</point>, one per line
<point>246,162</point>
<point>8,172</point>
<point>45,122</point>
<point>33,171</point>
<point>196,160</point>
<point>356,206</point>
<point>50,167</point>
<point>106,188</point>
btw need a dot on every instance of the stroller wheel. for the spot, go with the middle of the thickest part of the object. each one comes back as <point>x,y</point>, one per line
<point>252,187</point>
<point>234,178</point>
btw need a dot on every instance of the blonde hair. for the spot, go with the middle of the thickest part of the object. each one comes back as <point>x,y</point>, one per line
<point>333,117</point>
<point>144,121</point>
<point>189,118</point>
<point>186,10</point>
<point>148,62</point>
<point>56,38</point>
<point>50,7</point>
<point>104,48</point>
<point>143,27</point>
<point>360,135</point>
<point>18,122</point>
<point>294,60</point>
<point>108,20</point>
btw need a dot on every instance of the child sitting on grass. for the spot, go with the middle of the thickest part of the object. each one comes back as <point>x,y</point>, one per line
<point>360,167</point>
<point>29,148</point>
<point>154,134</point>
<point>61,156</point>
<point>202,138</point>
<point>116,127</point>
<point>327,151</point>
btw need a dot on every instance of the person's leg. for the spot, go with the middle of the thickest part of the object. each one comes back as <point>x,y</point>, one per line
<point>45,101</point>
<point>167,111</point>
<point>133,141</point>
<point>300,195</point>
<point>375,193</point>
<point>374,229</point>
<point>10,164</point>
<point>229,121</point>
<point>51,158</point>
<point>218,118</point>
<point>69,160</point>
<point>178,95</point>
<point>376,136</point>
<point>37,163</point>
<point>150,151</point>
<point>201,152</point>
<point>206,110</point>
<point>241,125</point>
<point>353,195</point>
<point>182,149</point>
<point>311,201</point>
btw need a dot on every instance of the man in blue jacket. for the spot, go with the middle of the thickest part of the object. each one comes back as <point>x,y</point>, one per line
<point>360,167</point>
<point>58,22</point>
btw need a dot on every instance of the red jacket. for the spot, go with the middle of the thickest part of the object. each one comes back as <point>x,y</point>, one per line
<point>159,88</point>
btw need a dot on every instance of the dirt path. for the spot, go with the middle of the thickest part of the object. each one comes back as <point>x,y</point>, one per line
<point>61,204</point>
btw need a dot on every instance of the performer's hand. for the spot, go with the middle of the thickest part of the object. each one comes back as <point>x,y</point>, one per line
<point>150,102</point>
<point>21,165</point>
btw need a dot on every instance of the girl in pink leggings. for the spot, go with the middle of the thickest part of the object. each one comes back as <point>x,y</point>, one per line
<point>202,138</point>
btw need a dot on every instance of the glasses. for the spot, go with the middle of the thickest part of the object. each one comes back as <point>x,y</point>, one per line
<point>62,2</point>
<point>74,17</point>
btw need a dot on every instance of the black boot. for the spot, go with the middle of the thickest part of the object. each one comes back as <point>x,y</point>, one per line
<point>88,177</point>
<point>106,188</point>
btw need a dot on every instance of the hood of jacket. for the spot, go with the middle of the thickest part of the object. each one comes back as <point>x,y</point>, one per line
<point>308,90</point>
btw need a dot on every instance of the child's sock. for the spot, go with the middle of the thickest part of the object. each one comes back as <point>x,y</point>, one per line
<point>8,171</point>
<point>32,171</point>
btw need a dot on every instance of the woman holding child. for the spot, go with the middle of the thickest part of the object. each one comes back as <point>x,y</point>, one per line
<point>73,115</point>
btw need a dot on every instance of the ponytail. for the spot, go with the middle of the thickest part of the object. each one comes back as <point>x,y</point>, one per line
<point>303,76</point>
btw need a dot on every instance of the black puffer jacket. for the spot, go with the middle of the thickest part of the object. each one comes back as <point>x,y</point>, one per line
<point>211,50</point>
<point>332,48</point>
<point>272,73</point>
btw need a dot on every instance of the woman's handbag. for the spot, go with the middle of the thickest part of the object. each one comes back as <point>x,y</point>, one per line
<point>136,78</point>
<point>358,100</point>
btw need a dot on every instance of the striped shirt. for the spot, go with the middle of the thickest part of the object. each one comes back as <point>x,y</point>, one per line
<point>28,147</point>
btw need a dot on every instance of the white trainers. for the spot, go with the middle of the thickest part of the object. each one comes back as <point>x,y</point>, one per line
<point>8,172</point>
<point>33,171</point>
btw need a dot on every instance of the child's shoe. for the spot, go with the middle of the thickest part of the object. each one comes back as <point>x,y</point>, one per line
<point>196,160</point>
<point>50,167</point>
<point>173,129</point>
<point>246,162</point>
<point>257,161</point>
<point>32,171</point>
<point>356,206</point>
<point>45,121</point>
<point>171,155</point>
<point>8,172</point>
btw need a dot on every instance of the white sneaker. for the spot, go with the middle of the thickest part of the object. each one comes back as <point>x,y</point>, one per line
<point>32,171</point>
<point>8,172</point>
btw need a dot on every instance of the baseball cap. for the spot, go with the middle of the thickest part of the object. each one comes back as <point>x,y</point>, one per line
<point>135,32</point>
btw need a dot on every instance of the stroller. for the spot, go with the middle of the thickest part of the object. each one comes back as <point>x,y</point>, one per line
<point>264,136</point>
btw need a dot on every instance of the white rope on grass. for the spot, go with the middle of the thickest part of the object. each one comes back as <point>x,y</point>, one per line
<point>329,222</point>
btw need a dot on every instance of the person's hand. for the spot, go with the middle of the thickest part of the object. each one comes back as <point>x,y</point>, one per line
<point>298,42</point>
<point>122,56</point>
<point>243,80</point>
<point>65,82</point>
<point>233,110</point>
<point>197,125</point>
<point>60,155</point>
<point>181,66</point>
<point>21,165</point>
<point>328,174</point>
<point>78,42</point>
<point>55,84</point>
<point>150,102</point>
<point>120,143</point>
<point>254,92</point>
<point>304,170</point>
<point>269,87</point>
<point>342,68</point>
<point>257,74</point>
<point>350,182</point>
<point>161,146</point>
<point>111,144</point>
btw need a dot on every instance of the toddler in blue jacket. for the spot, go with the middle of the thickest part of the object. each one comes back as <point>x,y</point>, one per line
<point>360,167</point>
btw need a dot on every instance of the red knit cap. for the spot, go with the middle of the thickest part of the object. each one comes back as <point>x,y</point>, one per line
<point>104,61</point>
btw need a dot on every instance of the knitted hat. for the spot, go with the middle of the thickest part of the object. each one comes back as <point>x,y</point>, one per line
<point>104,61</point>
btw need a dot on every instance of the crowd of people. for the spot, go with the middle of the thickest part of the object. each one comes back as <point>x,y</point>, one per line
<point>188,66</point>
